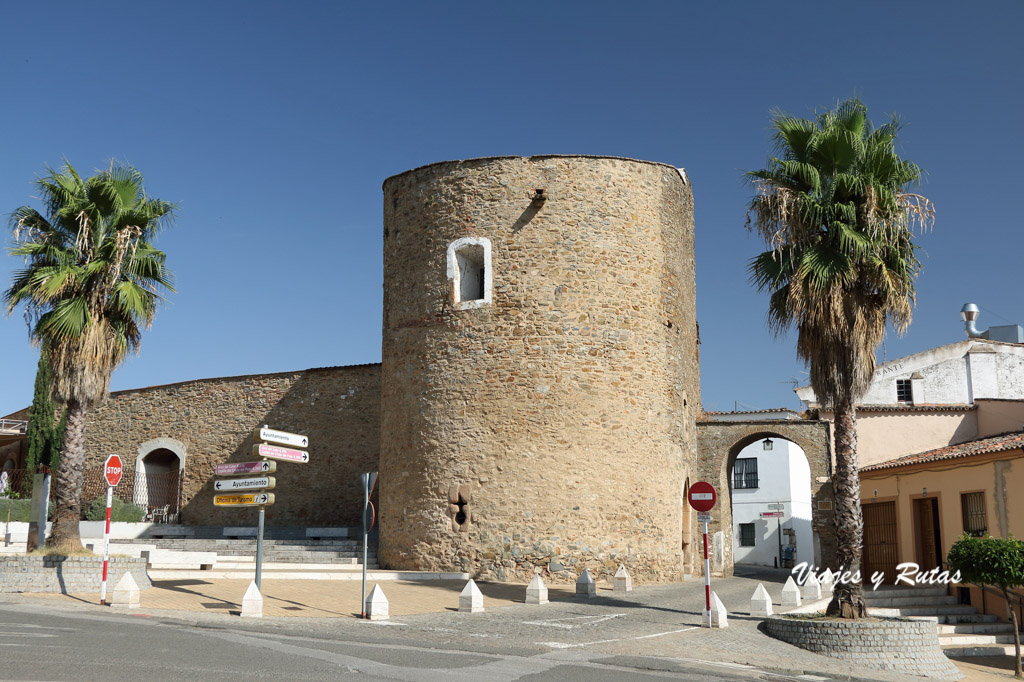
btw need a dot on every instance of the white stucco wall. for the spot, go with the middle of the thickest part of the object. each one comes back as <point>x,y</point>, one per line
<point>954,374</point>
<point>784,477</point>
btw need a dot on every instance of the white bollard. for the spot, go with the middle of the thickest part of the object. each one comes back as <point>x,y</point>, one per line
<point>812,588</point>
<point>376,604</point>
<point>761,602</point>
<point>252,602</point>
<point>622,582</point>
<point>536,591</point>
<point>827,581</point>
<point>585,586</point>
<point>791,593</point>
<point>471,600</point>
<point>719,616</point>
<point>126,593</point>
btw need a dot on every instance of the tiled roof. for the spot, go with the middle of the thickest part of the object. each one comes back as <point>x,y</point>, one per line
<point>1000,443</point>
<point>918,407</point>
<point>772,409</point>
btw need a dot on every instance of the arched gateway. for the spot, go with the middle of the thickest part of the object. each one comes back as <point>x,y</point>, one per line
<point>718,444</point>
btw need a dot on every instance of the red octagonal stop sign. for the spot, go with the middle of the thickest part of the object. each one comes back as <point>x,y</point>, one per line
<point>112,470</point>
<point>702,496</point>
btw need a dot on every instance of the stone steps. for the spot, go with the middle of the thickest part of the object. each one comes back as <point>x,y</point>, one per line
<point>975,628</point>
<point>975,639</point>
<point>981,650</point>
<point>899,602</point>
<point>942,610</point>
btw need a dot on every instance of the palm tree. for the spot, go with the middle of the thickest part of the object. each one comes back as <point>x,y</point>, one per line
<point>834,209</point>
<point>90,285</point>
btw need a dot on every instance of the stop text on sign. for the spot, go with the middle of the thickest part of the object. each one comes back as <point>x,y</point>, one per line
<point>112,470</point>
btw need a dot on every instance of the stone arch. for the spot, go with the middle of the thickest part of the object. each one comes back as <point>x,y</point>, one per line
<point>154,487</point>
<point>721,442</point>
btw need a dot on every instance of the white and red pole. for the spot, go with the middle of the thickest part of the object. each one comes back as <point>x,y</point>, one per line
<point>106,546</point>
<point>707,576</point>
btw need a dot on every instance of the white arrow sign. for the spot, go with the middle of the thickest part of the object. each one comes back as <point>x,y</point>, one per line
<point>268,482</point>
<point>283,437</point>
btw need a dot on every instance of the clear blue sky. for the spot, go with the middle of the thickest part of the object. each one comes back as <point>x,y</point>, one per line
<point>274,124</point>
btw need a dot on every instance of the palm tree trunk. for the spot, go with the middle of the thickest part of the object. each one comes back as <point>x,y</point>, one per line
<point>848,597</point>
<point>70,477</point>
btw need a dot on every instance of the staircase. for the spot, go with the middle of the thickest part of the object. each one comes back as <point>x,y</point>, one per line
<point>962,630</point>
<point>321,553</point>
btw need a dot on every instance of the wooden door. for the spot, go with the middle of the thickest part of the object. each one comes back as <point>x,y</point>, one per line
<point>879,540</point>
<point>926,531</point>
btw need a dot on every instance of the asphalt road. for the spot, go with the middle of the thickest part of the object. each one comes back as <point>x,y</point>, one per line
<point>643,636</point>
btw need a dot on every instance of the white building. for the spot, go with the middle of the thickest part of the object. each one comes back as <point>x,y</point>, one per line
<point>771,476</point>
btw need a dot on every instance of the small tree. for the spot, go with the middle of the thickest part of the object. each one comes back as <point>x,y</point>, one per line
<point>990,561</point>
<point>43,437</point>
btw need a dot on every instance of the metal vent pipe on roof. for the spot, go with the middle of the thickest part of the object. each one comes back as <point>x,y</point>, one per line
<point>969,314</point>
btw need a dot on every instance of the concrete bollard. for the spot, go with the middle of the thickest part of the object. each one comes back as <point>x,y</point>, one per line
<point>790,593</point>
<point>622,582</point>
<point>376,604</point>
<point>252,602</point>
<point>585,586</point>
<point>471,599</point>
<point>761,602</point>
<point>536,591</point>
<point>719,616</point>
<point>827,581</point>
<point>126,593</point>
<point>812,588</point>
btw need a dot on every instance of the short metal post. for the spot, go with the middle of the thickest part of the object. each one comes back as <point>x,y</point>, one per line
<point>259,549</point>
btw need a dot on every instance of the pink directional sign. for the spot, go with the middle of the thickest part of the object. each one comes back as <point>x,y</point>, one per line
<point>236,468</point>
<point>284,454</point>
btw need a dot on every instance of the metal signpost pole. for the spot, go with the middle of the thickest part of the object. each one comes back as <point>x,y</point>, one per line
<point>366,500</point>
<point>106,547</point>
<point>259,548</point>
<point>778,526</point>
<point>707,575</point>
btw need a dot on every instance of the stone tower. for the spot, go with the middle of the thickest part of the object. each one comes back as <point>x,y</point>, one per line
<point>540,377</point>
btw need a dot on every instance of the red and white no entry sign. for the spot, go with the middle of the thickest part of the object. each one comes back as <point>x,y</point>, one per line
<point>702,496</point>
<point>112,470</point>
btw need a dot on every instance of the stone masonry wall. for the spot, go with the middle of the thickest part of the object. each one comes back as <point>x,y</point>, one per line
<point>559,417</point>
<point>67,575</point>
<point>214,419</point>
<point>906,646</point>
<point>721,442</point>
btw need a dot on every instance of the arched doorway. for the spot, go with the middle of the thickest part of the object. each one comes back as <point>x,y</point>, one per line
<point>770,491</point>
<point>159,468</point>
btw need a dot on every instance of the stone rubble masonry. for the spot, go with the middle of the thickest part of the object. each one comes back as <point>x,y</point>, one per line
<point>68,575</point>
<point>567,404</point>
<point>721,442</point>
<point>905,646</point>
<point>214,420</point>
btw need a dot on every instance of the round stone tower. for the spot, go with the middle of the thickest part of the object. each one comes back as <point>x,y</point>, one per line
<point>540,377</point>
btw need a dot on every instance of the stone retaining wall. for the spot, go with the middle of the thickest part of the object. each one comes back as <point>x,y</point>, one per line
<point>67,575</point>
<point>905,646</point>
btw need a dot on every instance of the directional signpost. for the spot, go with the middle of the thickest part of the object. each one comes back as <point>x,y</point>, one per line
<point>277,445</point>
<point>236,468</point>
<point>266,482</point>
<point>702,497</point>
<point>283,454</point>
<point>112,470</point>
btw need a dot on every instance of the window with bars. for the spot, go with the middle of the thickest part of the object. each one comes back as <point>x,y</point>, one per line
<point>746,535</point>
<point>744,473</point>
<point>973,507</point>
<point>904,391</point>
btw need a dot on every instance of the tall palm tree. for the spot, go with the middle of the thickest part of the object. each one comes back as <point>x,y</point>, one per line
<point>834,209</point>
<point>91,283</point>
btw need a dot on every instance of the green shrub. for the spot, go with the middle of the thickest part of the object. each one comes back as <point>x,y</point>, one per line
<point>20,510</point>
<point>120,510</point>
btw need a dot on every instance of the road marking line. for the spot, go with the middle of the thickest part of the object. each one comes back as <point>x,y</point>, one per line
<point>564,645</point>
<point>557,622</point>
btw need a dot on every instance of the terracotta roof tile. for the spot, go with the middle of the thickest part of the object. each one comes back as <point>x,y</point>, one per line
<point>1006,441</point>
